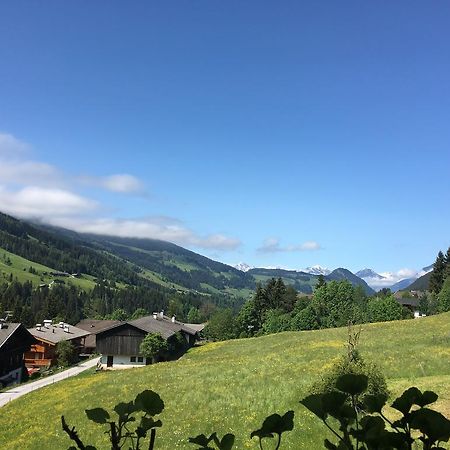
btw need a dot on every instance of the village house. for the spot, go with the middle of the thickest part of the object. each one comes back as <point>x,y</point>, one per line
<point>48,335</point>
<point>120,343</point>
<point>94,327</point>
<point>15,340</point>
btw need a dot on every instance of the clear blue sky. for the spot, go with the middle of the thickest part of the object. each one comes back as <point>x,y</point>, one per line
<point>276,133</point>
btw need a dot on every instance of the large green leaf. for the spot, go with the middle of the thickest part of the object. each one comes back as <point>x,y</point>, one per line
<point>97,415</point>
<point>227,442</point>
<point>406,400</point>
<point>149,402</point>
<point>124,409</point>
<point>431,423</point>
<point>314,403</point>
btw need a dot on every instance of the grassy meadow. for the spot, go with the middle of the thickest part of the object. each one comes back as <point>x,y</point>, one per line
<point>18,268</point>
<point>232,386</point>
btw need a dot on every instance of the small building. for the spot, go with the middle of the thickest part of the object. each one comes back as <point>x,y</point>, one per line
<point>94,327</point>
<point>15,340</point>
<point>413,304</point>
<point>43,353</point>
<point>120,344</point>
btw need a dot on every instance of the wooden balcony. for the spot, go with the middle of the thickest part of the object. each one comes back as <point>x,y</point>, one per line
<point>37,362</point>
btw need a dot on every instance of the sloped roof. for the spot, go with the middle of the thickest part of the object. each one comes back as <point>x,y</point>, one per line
<point>55,334</point>
<point>95,326</point>
<point>24,338</point>
<point>7,330</point>
<point>161,325</point>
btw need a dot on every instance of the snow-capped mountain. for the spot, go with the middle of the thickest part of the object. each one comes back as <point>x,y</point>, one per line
<point>243,267</point>
<point>369,273</point>
<point>316,270</point>
<point>392,280</point>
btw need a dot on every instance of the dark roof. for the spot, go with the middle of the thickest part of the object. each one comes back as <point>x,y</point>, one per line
<point>23,337</point>
<point>55,334</point>
<point>196,326</point>
<point>95,326</point>
<point>161,325</point>
<point>7,330</point>
<point>409,301</point>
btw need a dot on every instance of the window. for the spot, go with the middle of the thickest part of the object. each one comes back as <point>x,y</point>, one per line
<point>140,359</point>
<point>132,358</point>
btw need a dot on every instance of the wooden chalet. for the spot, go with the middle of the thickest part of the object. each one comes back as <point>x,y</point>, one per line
<point>48,335</point>
<point>15,340</point>
<point>94,327</point>
<point>120,344</point>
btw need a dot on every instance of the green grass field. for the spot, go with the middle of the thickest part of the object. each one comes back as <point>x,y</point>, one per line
<point>19,266</point>
<point>232,386</point>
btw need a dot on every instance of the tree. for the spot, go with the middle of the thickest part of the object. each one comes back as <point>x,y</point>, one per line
<point>221,326</point>
<point>194,315</point>
<point>248,320</point>
<point>384,309</point>
<point>444,297</point>
<point>320,282</point>
<point>276,321</point>
<point>138,313</point>
<point>437,276</point>
<point>66,353</point>
<point>305,319</point>
<point>152,345</point>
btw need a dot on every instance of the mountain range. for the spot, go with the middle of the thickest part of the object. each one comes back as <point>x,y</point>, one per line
<point>150,262</point>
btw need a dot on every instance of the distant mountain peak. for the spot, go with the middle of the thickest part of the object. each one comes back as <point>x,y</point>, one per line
<point>243,267</point>
<point>316,270</point>
<point>369,273</point>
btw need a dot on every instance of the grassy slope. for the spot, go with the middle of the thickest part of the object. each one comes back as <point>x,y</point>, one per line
<point>232,386</point>
<point>19,269</point>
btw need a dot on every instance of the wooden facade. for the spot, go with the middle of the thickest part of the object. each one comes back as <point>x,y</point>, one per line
<point>124,339</point>
<point>41,354</point>
<point>120,344</point>
<point>15,340</point>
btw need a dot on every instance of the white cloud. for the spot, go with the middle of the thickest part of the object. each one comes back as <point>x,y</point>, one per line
<point>272,245</point>
<point>163,228</point>
<point>41,191</point>
<point>11,146</point>
<point>43,203</point>
<point>29,172</point>
<point>123,183</point>
<point>390,278</point>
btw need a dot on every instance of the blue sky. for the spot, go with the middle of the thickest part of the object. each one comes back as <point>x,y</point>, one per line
<point>280,134</point>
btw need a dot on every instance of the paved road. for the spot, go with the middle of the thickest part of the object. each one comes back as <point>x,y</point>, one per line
<point>18,391</point>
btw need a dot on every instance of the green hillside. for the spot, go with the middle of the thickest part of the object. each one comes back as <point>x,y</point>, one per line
<point>302,282</point>
<point>231,386</point>
<point>421,284</point>
<point>176,266</point>
<point>24,270</point>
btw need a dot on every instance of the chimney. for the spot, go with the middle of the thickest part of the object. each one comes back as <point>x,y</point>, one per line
<point>155,315</point>
<point>66,328</point>
<point>38,327</point>
<point>161,314</point>
<point>61,324</point>
<point>173,318</point>
<point>47,323</point>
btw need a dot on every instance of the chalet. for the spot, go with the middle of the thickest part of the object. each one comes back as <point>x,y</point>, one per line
<point>120,344</point>
<point>15,340</point>
<point>43,353</point>
<point>94,327</point>
<point>413,304</point>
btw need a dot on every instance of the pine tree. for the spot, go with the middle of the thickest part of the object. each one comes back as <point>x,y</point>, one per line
<point>447,264</point>
<point>438,274</point>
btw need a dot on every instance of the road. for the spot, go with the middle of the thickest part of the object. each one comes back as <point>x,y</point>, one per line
<point>18,391</point>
